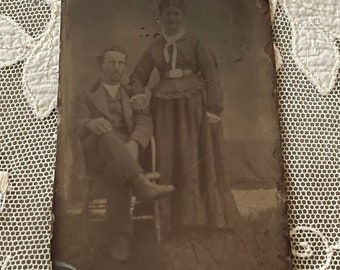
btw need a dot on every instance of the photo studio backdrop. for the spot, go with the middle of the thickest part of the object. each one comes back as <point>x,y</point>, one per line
<point>306,46</point>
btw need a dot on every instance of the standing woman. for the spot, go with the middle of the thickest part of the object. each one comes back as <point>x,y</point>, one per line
<point>186,104</point>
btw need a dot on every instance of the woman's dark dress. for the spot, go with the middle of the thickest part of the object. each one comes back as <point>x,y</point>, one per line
<point>189,150</point>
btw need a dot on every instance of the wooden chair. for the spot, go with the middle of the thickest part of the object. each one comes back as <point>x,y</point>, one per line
<point>96,208</point>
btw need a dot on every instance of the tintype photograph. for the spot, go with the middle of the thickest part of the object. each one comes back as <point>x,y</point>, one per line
<point>168,147</point>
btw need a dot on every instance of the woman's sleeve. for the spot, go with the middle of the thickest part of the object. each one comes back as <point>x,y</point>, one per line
<point>209,68</point>
<point>140,77</point>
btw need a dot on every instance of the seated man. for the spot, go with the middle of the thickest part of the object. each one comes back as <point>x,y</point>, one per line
<point>112,136</point>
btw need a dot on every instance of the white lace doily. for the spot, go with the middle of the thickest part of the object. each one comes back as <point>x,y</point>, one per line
<point>307,58</point>
<point>29,58</point>
<point>307,52</point>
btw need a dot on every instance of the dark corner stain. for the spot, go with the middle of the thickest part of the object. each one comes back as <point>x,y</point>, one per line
<point>266,11</point>
<point>277,153</point>
<point>269,50</point>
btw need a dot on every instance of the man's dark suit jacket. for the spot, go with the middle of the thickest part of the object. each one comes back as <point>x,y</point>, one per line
<point>93,104</point>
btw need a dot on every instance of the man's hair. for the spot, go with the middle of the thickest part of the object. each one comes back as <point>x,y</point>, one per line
<point>115,48</point>
<point>171,3</point>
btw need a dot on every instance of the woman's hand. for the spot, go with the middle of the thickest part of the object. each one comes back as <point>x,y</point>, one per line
<point>213,118</point>
<point>139,103</point>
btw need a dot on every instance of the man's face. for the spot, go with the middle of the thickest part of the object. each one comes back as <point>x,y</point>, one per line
<point>113,67</point>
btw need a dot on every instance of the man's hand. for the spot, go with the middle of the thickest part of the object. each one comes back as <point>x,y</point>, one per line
<point>139,103</point>
<point>132,147</point>
<point>99,125</point>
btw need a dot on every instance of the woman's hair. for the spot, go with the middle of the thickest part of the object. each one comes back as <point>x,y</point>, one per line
<point>171,3</point>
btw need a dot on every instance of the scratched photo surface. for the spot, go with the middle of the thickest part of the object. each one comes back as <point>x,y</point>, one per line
<point>168,147</point>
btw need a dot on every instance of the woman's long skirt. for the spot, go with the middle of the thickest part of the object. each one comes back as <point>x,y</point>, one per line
<point>190,156</point>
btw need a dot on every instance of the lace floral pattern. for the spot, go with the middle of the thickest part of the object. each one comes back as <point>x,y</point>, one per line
<point>315,28</point>
<point>29,59</point>
<point>41,56</point>
<point>306,35</point>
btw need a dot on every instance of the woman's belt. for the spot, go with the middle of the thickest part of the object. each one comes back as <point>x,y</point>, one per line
<point>177,73</point>
<point>185,86</point>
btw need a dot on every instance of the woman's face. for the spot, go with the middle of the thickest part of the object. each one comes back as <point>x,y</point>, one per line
<point>172,18</point>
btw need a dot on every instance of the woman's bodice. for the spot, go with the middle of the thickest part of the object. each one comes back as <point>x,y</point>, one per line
<point>192,56</point>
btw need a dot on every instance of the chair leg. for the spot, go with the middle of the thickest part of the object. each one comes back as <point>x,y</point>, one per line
<point>132,203</point>
<point>87,199</point>
<point>157,220</point>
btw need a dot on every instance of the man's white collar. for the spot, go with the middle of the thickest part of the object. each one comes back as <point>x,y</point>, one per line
<point>112,89</point>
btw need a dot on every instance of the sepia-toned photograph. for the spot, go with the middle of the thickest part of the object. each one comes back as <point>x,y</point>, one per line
<point>169,148</point>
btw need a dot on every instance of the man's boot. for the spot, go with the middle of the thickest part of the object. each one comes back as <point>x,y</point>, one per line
<point>144,189</point>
